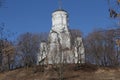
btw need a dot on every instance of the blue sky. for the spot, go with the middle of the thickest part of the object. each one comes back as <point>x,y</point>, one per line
<point>35,15</point>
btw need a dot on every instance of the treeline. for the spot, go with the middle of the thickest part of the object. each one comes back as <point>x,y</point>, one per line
<point>19,53</point>
<point>102,48</point>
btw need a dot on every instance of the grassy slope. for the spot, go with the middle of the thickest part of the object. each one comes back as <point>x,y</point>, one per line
<point>70,73</point>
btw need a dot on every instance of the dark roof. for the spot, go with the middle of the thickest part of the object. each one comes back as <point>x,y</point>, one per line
<point>60,10</point>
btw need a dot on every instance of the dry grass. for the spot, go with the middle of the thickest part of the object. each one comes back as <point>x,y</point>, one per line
<point>71,72</point>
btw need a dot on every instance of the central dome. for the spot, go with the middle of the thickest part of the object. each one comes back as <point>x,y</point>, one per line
<point>60,10</point>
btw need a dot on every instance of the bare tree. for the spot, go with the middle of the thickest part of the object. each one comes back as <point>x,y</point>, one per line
<point>6,48</point>
<point>56,53</point>
<point>100,48</point>
<point>114,8</point>
<point>60,64</point>
<point>8,55</point>
<point>28,45</point>
<point>74,34</point>
<point>79,51</point>
<point>77,43</point>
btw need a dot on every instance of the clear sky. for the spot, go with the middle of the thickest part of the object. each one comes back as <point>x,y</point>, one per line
<point>35,15</point>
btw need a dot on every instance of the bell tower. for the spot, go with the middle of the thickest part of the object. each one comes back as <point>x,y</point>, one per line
<point>59,37</point>
<point>60,19</point>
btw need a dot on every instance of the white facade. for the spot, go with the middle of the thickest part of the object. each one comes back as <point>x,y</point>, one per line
<point>79,50</point>
<point>59,46</point>
<point>59,37</point>
<point>60,28</point>
<point>60,21</point>
<point>43,52</point>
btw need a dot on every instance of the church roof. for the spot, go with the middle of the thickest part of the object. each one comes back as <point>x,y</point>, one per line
<point>60,10</point>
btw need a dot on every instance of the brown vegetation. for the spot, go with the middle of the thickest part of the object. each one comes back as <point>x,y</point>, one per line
<point>85,72</point>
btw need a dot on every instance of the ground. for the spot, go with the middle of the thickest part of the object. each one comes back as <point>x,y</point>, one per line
<point>71,72</point>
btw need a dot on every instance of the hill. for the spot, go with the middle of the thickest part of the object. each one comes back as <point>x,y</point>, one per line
<point>70,72</point>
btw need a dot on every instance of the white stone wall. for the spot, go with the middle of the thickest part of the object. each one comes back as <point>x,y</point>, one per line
<point>43,52</point>
<point>60,26</point>
<point>59,42</point>
<point>59,37</point>
<point>60,21</point>
<point>79,50</point>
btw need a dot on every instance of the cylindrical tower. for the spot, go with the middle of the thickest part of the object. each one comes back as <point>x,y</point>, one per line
<point>59,37</point>
<point>60,20</point>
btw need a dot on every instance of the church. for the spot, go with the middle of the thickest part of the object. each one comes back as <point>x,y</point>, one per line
<point>59,48</point>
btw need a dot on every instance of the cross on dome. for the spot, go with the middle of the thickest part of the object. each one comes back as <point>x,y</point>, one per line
<point>60,4</point>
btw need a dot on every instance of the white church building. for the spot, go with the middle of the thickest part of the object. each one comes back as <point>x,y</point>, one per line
<point>59,47</point>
